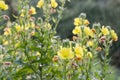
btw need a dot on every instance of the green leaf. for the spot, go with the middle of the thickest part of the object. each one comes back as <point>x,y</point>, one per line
<point>23,72</point>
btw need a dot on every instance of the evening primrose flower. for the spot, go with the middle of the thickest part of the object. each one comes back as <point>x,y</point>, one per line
<point>90,43</point>
<point>77,21</point>
<point>89,54</point>
<point>77,30</point>
<point>5,42</point>
<point>18,28</point>
<point>105,30</point>
<point>48,26</point>
<point>65,53</point>
<point>88,31</point>
<point>54,4</point>
<point>86,22</point>
<point>114,35</point>
<point>27,26</point>
<point>32,25</point>
<point>38,53</point>
<point>7,31</point>
<point>78,51</point>
<point>32,11</point>
<point>40,3</point>
<point>3,6</point>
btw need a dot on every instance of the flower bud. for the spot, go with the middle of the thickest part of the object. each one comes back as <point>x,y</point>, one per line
<point>55,58</point>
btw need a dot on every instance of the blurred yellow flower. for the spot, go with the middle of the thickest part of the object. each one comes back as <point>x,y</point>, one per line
<point>32,11</point>
<point>3,6</point>
<point>90,43</point>
<point>38,53</point>
<point>32,25</point>
<point>78,51</point>
<point>40,3</point>
<point>54,4</point>
<point>114,35</point>
<point>65,53</point>
<point>48,26</point>
<point>105,30</point>
<point>88,31</point>
<point>5,42</point>
<point>26,26</point>
<point>7,31</point>
<point>77,21</point>
<point>18,28</point>
<point>86,22</point>
<point>89,54</point>
<point>77,31</point>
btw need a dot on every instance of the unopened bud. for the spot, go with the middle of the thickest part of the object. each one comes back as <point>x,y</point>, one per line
<point>55,58</point>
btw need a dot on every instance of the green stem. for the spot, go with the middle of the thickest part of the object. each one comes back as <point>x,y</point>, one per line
<point>104,63</point>
<point>60,14</point>
<point>64,70</point>
<point>40,68</point>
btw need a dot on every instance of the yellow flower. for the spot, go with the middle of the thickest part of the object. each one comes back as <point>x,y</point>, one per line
<point>89,54</point>
<point>3,6</point>
<point>77,30</point>
<point>48,26</point>
<point>77,21</point>
<point>38,53</point>
<point>86,22</point>
<point>40,3</point>
<point>65,53</point>
<point>7,31</point>
<point>5,42</point>
<point>32,11</point>
<point>27,26</point>
<point>78,51</point>
<point>114,35</point>
<point>54,4</point>
<point>18,28</point>
<point>16,53</point>
<point>105,30</point>
<point>88,31</point>
<point>32,25</point>
<point>90,43</point>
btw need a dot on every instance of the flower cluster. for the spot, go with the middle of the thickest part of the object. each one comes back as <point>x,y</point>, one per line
<point>88,43</point>
<point>78,52</point>
<point>82,29</point>
<point>41,3</point>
